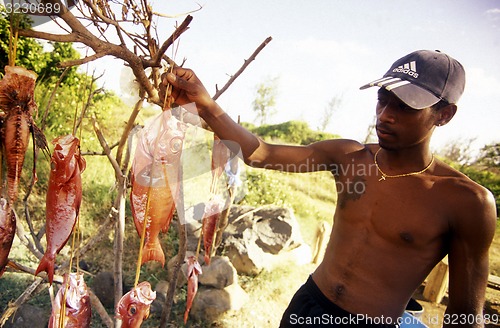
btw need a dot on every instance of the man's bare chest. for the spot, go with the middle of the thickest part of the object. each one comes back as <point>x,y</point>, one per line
<point>406,213</point>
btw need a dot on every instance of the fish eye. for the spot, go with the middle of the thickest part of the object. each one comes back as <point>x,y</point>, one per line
<point>176,145</point>
<point>132,310</point>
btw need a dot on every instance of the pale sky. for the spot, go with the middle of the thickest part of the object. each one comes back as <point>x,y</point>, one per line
<point>329,48</point>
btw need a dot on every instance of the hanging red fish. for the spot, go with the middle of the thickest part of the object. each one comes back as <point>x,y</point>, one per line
<point>73,303</point>
<point>210,221</point>
<point>64,196</point>
<point>220,156</point>
<point>193,270</point>
<point>133,307</point>
<point>7,232</point>
<point>156,181</point>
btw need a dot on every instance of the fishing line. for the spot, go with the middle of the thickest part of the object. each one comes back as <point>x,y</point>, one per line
<point>13,38</point>
<point>76,233</point>
<point>82,85</point>
<point>168,89</point>
<point>143,233</point>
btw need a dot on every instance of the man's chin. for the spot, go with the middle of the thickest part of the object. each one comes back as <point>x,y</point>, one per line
<point>387,145</point>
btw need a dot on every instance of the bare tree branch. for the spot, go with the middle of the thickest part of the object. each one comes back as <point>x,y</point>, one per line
<point>242,68</point>
<point>155,61</point>
<point>77,62</point>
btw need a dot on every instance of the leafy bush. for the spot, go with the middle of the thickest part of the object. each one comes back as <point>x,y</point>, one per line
<point>294,132</point>
<point>488,178</point>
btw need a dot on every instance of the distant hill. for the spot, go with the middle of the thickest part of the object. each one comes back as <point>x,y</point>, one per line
<point>292,132</point>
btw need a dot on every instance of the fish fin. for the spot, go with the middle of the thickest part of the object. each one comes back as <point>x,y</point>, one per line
<point>153,252</point>
<point>40,140</point>
<point>47,265</point>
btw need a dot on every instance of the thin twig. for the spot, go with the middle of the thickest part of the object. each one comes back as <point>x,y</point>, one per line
<point>100,309</point>
<point>128,128</point>
<point>242,68</point>
<point>12,307</point>
<point>181,255</point>
<point>118,173</point>
<point>21,234</point>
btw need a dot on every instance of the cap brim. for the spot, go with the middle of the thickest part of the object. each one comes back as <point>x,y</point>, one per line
<point>412,95</point>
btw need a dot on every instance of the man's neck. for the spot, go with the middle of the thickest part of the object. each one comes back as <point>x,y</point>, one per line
<point>400,161</point>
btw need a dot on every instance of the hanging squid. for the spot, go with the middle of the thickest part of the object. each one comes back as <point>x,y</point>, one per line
<point>18,105</point>
<point>7,232</point>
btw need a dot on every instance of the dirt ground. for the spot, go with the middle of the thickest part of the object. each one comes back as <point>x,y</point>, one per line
<point>434,313</point>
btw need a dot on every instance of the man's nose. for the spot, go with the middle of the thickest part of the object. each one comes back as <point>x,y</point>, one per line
<point>386,114</point>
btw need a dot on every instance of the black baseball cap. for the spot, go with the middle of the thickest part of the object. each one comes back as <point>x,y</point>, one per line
<point>423,78</point>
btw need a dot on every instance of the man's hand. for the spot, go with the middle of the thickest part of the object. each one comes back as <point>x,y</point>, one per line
<point>182,87</point>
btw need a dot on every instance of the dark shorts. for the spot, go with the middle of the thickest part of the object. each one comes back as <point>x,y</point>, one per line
<point>309,307</point>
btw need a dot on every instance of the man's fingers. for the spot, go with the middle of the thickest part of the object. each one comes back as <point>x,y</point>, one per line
<point>171,78</point>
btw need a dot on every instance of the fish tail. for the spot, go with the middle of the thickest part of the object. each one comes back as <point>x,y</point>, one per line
<point>47,265</point>
<point>153,252</point>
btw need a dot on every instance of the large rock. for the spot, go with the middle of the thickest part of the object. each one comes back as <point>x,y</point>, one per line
<point>259,239</point>
<point>28,316</point>
<point>181,277</point>
<point>194,216</point>
<point>103,287</point>
<point>210,303</point>
<point>219,274</point>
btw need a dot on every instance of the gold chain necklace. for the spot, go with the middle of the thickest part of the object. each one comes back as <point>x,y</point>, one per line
<point>385,176</point>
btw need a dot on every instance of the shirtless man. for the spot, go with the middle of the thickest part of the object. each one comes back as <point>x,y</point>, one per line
<point>408,209</point>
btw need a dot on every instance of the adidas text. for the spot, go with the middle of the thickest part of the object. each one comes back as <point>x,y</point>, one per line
<point>405,71</point>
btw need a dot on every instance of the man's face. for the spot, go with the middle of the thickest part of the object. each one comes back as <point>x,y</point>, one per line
<point>400,126</point>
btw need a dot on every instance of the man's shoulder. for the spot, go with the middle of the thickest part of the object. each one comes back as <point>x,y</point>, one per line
<point>458,183</point>
<point>470,201</point>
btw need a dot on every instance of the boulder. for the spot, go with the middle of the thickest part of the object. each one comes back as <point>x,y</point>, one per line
<point>245,255</point>
<point>210,303</point>
<point>161,288</point>
<point>181,278</point>
<point>277,229</point>
<point>194,216</point>
<point>219,274</point>
<point>28,316</point>
<point>258,239</point>
<point>103,287</point>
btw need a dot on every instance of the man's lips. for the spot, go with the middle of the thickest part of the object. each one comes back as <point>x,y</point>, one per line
<point>384,130</point>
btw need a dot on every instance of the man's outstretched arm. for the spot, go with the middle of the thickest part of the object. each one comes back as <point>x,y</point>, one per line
<point>472,232</point>
<point>187,88</point>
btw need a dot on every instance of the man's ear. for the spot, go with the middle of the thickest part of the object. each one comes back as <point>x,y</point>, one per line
<point>445,114</point>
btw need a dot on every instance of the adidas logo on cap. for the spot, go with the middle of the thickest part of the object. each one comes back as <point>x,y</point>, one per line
<point>408,68</point>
